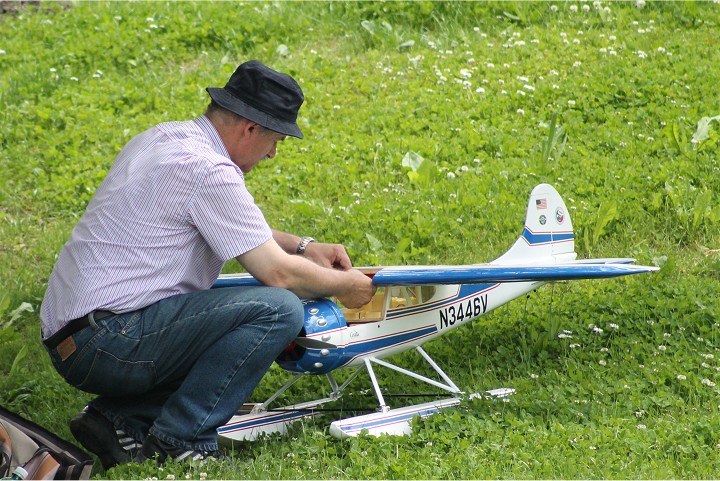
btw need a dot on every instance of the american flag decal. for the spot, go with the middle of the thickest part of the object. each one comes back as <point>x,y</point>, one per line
<point>541,203</point>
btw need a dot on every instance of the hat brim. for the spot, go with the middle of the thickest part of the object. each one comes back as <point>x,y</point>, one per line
<point>228,101</point>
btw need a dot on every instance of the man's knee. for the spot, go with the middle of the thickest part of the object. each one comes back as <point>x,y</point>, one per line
<point>290,310</point>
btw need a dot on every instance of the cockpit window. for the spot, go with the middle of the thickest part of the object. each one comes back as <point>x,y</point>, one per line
<point>391,298</point>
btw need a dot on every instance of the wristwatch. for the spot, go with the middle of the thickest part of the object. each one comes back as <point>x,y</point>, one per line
<point>304,241</point>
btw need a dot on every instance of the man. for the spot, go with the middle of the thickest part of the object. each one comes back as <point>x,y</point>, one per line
<point>129,313</point>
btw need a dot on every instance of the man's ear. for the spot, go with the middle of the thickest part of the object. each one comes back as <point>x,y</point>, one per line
<point>247,127</point>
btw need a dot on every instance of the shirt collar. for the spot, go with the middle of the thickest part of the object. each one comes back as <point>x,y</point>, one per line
<point>209,129</point>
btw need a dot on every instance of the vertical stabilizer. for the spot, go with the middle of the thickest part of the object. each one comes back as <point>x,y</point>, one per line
<point>548,236</point>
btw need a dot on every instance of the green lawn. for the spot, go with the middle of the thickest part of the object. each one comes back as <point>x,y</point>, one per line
<point>615,104</point>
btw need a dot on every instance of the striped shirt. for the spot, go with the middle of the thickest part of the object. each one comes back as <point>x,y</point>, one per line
<point>172,209</point>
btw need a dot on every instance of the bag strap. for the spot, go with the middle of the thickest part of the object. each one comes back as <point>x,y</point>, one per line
<point>42,465</point>
<point>5,452</point>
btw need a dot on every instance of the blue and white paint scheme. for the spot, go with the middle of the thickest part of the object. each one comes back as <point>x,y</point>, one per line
<point>413,305</point>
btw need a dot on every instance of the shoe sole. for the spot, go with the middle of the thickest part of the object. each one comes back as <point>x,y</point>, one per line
<point>109,452</point>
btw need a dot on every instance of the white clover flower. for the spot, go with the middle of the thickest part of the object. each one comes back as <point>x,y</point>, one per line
<point>708,356</point>
<point>520,92</point>
<point>490,65</point>
<point>662,348</point>
<point>602,362</point>
<point>573,346</point>
<point>529,87</point>
<point>614,327</point>
<point>479,90</point>
<point>573,8</point>
<point>553,8</point>
<point>681,377</point>
<point>521,111</point>
<point>586,8</point>
<point>571,102</point>
<point>534,376</point>
<point>450,175</point>
<point>149,19</point>
<point>641,426</point>
<point>708,382</point>
<point>598,330</point>
<point>2,52</point>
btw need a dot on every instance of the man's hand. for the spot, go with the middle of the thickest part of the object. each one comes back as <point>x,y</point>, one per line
<point>328,255</point>
<point>359,292</point>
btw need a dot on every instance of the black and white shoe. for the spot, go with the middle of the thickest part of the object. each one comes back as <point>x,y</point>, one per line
<point>97,434</point>
<point>153,448</point>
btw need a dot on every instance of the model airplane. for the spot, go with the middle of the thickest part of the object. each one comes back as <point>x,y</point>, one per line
<point>413,305</point>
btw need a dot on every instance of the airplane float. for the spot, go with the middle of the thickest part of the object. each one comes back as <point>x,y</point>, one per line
<point>413,305</point>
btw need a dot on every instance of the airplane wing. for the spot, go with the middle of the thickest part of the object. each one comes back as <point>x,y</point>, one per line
<point>491,274</point>
<point>479,273</point>
<point>233,280</point>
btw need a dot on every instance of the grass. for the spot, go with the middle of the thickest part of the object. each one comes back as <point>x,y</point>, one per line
<point>604,100</point>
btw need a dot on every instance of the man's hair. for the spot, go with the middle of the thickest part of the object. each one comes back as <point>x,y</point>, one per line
<point>214,110</point>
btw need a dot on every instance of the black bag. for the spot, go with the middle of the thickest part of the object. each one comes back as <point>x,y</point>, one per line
<point>41,453</point>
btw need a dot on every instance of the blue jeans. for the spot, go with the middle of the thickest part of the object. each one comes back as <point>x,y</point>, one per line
<point>180,368</point>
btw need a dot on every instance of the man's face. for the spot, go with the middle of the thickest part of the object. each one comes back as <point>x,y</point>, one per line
<point>259,144</point>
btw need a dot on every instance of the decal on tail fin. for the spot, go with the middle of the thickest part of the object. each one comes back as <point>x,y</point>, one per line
<point>548,233</point>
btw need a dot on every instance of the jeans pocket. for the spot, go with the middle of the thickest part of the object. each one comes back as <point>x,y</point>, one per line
<point>109,375</point>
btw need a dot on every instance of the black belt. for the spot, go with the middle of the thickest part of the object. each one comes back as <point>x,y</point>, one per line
<point>74,326</point>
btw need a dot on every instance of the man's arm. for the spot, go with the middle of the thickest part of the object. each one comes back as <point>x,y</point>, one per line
<point>273,266</point>
<point>326,255</point>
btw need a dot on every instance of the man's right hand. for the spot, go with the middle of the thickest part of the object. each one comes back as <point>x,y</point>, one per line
<point>360,291</point>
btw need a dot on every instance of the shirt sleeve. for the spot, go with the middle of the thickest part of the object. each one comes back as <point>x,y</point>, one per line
<point>225,214</point>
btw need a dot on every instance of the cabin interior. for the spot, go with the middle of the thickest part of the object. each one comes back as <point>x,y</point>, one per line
<point>388,298</point>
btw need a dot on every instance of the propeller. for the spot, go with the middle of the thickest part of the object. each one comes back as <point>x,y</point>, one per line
<point>308,343</point>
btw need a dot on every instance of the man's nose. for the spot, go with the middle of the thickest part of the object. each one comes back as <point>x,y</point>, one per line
<point>272,152</point>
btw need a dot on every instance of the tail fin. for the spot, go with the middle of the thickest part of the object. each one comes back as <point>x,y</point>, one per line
<point>548,236</point>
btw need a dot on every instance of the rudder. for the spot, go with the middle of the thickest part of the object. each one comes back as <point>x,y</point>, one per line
<point>548,236</point>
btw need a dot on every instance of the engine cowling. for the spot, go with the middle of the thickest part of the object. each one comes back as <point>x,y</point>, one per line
<point>323,317</point>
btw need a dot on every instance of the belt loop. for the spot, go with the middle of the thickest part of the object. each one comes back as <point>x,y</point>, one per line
<point>91,318</point>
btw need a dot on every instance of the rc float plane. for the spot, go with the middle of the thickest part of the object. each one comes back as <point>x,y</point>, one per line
<point>414,305</point>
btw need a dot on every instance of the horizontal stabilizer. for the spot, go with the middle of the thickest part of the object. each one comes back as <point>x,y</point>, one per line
<point>491,274</point>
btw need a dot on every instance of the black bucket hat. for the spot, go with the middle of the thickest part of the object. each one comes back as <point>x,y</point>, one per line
<point>262,95</point>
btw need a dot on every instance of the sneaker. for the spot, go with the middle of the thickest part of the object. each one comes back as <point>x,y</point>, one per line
<point>98,435</point>
<point>153,448</point>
